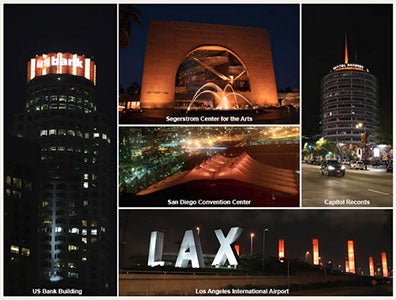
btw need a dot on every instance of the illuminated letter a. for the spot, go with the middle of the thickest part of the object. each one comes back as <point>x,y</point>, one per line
<point>190,250</point>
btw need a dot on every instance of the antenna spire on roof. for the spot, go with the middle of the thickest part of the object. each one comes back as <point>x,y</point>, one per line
<point>346,50</point>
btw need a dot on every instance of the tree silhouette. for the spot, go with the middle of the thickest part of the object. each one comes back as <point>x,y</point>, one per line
<point>128,15</point>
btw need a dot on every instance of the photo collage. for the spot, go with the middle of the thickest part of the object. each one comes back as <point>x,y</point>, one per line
<point>186,150</point>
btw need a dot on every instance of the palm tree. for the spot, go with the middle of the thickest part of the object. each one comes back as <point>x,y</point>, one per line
<point>128,14</point>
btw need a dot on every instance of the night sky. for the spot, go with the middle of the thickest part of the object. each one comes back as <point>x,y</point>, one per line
<point>297,227</point>
<point>82,29</point>
<point>39,29</point>
<point>281,22</point>
<point>370,36</point>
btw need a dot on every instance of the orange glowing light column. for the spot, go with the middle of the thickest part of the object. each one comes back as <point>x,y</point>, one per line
<point>371,266</point>
<point>281,249</point>
<point>384,264</point>
<point>351,257</point>
<point>346,266</point>
<point>315,248</point>
<point>237,249</point>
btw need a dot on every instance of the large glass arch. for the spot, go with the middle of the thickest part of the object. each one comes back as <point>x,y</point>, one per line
<point>213,69</point>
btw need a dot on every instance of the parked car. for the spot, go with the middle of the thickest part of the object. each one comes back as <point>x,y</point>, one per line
<point>332,167</point>
<point>359,165</point>
<point>345,162</point>
<point>352,164</point>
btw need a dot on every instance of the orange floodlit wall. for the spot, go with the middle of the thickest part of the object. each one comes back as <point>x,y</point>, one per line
<point>169,42</point>
<point>371,266</point>
<point>62,63</point>
<point>384,264</point>
<point>281,249</point>
<point>351,257</point>
<point>315,249</point>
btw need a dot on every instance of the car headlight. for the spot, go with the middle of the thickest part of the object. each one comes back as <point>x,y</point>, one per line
<point>342,167</point>
<point>331,168</point>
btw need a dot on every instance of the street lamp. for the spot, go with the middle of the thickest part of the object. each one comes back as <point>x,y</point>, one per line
<point>306,256</point>
<point>264,231</point>
<point>198,229</point>
<point>363,140</point>
<point>251,243</point>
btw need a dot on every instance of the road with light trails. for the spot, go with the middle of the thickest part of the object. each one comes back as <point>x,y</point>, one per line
<point>358,188</point>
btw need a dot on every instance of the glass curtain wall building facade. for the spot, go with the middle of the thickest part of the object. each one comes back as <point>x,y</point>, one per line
<point>73,225</point>
<point>349,103</point>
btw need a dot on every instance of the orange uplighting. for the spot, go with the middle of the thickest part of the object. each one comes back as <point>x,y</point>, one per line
<point>315,249</point>
<point>384,264</point>
<point>346,266</point>
<point>371,266</point>
<point>351,257</point>
<point>281,249</point>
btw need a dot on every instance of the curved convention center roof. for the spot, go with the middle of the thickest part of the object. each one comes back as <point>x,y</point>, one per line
<point>240,168</point>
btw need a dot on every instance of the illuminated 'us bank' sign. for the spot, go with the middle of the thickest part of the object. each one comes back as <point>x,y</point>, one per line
<point>191,251</point>
<point>61,63</point>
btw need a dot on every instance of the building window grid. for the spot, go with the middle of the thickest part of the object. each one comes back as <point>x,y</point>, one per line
<point>59,148</point>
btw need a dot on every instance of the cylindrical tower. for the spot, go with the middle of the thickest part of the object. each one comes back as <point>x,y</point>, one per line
<point>60,115</point>
<point>349,103</point>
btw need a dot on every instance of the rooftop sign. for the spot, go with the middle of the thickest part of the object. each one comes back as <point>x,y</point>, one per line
<point>61,63</point>
<point>190,250</point>
<point>348,66</point>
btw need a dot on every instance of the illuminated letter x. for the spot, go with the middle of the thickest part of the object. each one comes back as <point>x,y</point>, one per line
<point>225,251</point>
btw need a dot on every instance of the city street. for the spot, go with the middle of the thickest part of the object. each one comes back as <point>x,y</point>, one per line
<point>358,188</point>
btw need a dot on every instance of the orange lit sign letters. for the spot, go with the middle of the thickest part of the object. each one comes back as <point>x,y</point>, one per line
<point>191,251</point>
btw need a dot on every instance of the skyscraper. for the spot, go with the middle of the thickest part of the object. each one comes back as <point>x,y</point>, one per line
<point>74,178</point>
<point>349,101</point>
